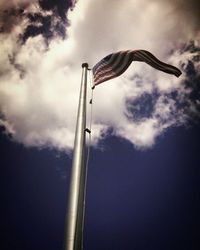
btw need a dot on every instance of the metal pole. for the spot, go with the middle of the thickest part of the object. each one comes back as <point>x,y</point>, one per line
<point>75,214</point>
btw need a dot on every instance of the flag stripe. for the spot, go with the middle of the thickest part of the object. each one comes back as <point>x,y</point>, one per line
<point>109,68</point>
<point>115,64</point>
<point>109,65</point>
<point>117,70</point>
<point>145,56</point>
<point>104,62</point>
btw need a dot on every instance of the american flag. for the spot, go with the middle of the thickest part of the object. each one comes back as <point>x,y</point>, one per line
<point>115,64</point>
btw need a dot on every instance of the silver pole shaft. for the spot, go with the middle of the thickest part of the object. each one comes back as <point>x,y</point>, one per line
<point>76,204</point>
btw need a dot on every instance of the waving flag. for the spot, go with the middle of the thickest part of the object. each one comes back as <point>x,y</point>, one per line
<point>115,64</point>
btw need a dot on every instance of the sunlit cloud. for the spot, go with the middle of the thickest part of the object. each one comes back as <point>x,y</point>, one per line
<point>39,82</point>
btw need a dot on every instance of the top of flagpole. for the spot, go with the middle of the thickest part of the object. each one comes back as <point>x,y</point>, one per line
<point>85,65</point>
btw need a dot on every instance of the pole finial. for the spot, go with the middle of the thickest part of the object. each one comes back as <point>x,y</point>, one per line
<point>85,65</point>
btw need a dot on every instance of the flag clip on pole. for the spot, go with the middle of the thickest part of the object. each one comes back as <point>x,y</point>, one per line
<point>76,201</point>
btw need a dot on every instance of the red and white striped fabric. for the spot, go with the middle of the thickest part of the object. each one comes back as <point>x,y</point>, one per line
<point>115,64</point>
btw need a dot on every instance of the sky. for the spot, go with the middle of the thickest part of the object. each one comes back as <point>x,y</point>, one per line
<point>143,188</point>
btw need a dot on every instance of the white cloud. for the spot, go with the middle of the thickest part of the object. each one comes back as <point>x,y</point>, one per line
<point>40,108</point>
<point>141,134</point>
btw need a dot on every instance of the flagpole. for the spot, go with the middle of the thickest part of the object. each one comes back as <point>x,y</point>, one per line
<point>76,201</point>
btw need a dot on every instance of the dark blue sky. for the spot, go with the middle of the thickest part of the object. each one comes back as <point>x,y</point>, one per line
<point>135,200</point>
